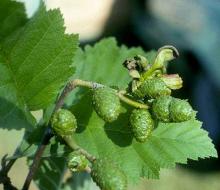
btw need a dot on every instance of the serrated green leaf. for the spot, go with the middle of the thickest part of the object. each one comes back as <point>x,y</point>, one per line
<point>12,16</point>
<point>40,59</point>
<point>35,63</point>
<point>103,63</point>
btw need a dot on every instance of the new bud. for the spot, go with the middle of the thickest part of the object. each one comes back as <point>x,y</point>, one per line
<point>173,81</point>
<point>165,54</point>
<point>77,162</point>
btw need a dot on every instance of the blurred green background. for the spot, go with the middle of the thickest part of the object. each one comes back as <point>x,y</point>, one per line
<point>193,26</point>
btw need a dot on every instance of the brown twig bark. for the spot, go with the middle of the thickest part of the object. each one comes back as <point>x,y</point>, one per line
<point>45,141</point>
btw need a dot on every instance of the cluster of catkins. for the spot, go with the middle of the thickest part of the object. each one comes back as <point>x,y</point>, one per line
<point>150,86</point>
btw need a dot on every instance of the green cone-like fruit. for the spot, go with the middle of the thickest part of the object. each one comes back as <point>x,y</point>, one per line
<point>77,162</point>
<point>106,103</point>
<point>152,88</point>
<point>63,123</point>
<point>169,109</point>
<point>161,108</point>
<point>108,176</point>
<point>180,110</point>
<point>141,123</point>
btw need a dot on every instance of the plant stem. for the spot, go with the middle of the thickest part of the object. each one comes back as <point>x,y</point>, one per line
<point>45,140</point>
<point>131,102</point>
<point>71,143</point>
<point>77,82</point>
<point>71,86</point>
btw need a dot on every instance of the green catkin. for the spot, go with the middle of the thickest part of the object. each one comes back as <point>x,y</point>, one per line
<point>169,109</point>
<point>142,124</point>
<point>108,176</point>
<point>152,88</point>
<point>106,103</point>
<point>180,110</point>
<point>161,108</point>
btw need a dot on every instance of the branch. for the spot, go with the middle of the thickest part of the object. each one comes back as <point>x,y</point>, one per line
<point>71,86</point>
<point>4,179</point>
<point>45,141</point>
<point>77,82</point>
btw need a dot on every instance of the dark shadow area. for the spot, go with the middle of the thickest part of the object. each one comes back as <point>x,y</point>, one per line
<point>119,131</point>
<point>78,181</point>
<point>49,176</point>
<point>203,165</point>
<point>82,109</point>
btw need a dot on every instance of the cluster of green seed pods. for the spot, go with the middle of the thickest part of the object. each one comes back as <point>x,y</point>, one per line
<point>153,86</point>
<point>150,85</point>
<point>169,109</point>
<point>164,108</point>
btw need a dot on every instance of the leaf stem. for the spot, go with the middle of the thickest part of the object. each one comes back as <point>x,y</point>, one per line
<point>72,144</point>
